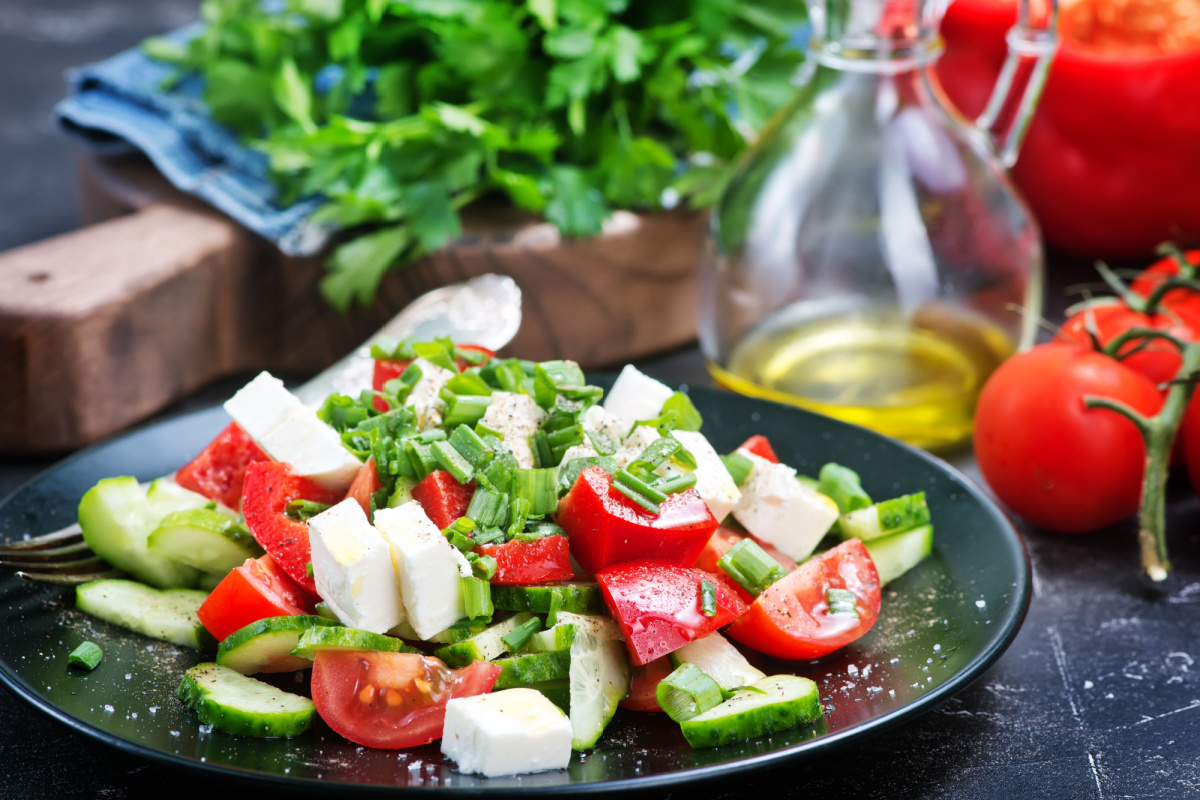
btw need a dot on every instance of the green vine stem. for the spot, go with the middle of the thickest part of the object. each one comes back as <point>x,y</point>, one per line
<point>1158,432</point>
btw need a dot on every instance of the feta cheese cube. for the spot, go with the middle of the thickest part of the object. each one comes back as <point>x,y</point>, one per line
<point>781,510</point>
<point>635,396</point>
<point>312,448</point>
<point>424,397</point>
<point>713,481</point>
<point>596,420</point>
<point>641,438</point>
<point>352,567</point>
<point>516,417</point>
<point>427,565</point>
<point>506,733</point>
<point>579,451</point>
<point>261,405</point>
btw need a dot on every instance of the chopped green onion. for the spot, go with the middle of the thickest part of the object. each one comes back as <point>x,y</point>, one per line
<point>304,510</point>
<point>676,483</point>
<point>539,530</point>
<point>562,440</point>
<point>465,409</point>
<point>708,599</point>
<point>485,432</point>
<point>520,636</point>
<point>602,443</point>
<point>539,487</point>
<point>542,454</point>
<point>482,566</point>
<point>472,357</point>
<point>750,566</point>
<point>489,536</point>
<point>556,603</point>
<point>569,472</point>
<point>518,513</point>
<point>476,597</point>
<point>687,692</point>
<point>844,487</point>
<point>430,436</point>
<point>342,412</point>
<point>499,472</point>
<point>421,457</point>
<point>687,418</point>
<point>308,569</point>
<point>841,602</point>
<point>471,447</point>
<point>469,383</point>
<point>488,508</point>
<point>510,376</point>
<point>86,656</point>
<point>548,376</point>
<point>630,480</point>
<point>412,374</point>
<point>323,610</point>
<point>739,467</point>
<point>452,461</point>
<point>637,497</point>
<point>460,534</point>
<point>438,352</point>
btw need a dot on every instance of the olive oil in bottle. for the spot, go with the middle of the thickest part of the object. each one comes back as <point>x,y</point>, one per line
<point>916,378</point>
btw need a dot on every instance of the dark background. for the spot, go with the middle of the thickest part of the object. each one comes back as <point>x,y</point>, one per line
<point>1099,697</point>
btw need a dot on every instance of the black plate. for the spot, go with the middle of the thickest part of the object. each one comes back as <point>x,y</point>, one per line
<point>941,626</point>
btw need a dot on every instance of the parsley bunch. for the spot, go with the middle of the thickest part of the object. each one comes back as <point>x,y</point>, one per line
<point>402,112</point>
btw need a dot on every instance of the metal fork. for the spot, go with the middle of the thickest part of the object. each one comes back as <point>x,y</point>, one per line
<point>485,310</point>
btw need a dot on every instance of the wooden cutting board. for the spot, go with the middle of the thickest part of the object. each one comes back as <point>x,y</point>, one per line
<point>159,294</point>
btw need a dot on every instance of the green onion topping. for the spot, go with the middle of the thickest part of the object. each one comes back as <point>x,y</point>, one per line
<point>304,510</point>
<point>708,599</point>
<point>750,566</point>
<point>739,467</point>
<point>521,635</point>
<point>688,692</point>
<point>477,597</point>
<point>86,656</point>
<point>841,602</point>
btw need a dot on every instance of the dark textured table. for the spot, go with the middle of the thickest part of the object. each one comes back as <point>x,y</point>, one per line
<point>1099,696</point>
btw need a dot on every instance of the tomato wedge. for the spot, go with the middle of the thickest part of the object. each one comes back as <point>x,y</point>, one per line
<point>791,618</point>
<point>606,527</point>
<point>391,700</point>
<point>443,497</point>
<point>270,486</point>
<point>657,605</point>
<point>365,484</point>
<point>256,590</point>
<point>519,563</point>
<point>643,685</point>
<point>220,470</point>
<point>761,447</point>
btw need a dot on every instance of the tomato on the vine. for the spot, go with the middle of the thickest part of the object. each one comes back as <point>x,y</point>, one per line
<point>1157,359</point>
<point>1187,301</point>
<point>1047,456</point>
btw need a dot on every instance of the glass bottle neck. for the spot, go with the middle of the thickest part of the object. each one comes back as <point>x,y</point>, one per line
<point>881,36</point>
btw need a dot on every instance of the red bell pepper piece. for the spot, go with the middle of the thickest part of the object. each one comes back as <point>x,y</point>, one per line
<point>365,484</point>
<point>270,486</point>
<point>657,606</point>
<point>544,560</point>
<point>443,497</point>
<point>606,527</point>
<point>761,447</point>
<point>256,590</point>
<point>220,469</point>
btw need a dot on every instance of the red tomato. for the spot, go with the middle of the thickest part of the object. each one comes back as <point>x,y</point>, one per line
<point>270,486</point>
<point>256,590</point>
<point>220,469</point>
<point>656,603</point>
<point>725,538</point>
<point>1185,300</point>
<point>1050,459</point>
<point>761,447</point>
<point>542,560</point>
<point>791,619</point>
<point>391,700</point>
<point>1157,360</point>
<point>606,527</point>
<point>643,686</point>
<point>365,484</point>
<point>443,497</point>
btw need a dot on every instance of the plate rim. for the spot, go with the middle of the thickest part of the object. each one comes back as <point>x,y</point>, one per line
<point>1008,630</point>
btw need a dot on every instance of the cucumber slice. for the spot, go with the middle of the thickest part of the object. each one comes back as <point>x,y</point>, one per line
<point>896,554</point>
<point>116,518</point>
<point>557,638</point>
<point>533,668</point>
<point>243,706</point>
<point>485,646</point>
<point>720,660</point>
<point>205,539</point>
<point>266,645</point>
<point>167,496</point>
<point>403,491</point>
<point>599,676</point>
<point>557,692</point>
<point>774,704</point>
<point>168,614</point>
<point>577,598</point>
<point>463,629</point>
<point>882,519</point>
<point>339,638</point>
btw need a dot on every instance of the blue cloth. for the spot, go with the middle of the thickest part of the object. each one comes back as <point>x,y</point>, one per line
<point>118,105</point>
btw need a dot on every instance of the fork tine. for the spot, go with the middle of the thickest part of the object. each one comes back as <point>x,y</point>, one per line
<point>73,565</point>
<point>58,538</point>
<point>53,554</point>
<point>56,579</point>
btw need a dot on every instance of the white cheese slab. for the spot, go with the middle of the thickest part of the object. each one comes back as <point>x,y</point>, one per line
<point>352,567</point>
<point>510,732</point>
<point>516,417</point>
<point>635,396</point>
<point>781,510</point>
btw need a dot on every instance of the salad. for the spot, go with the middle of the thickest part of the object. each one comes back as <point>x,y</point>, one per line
<point>493,553</point>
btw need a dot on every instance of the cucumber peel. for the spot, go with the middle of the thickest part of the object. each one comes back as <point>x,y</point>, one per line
<point>774,704</point>
<point>896,554</point>
<point>203,538</point>
<point>231,702</point>
<point>266,645</point>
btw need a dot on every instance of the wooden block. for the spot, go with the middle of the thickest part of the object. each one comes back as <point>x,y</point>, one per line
<point>104,326</point>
